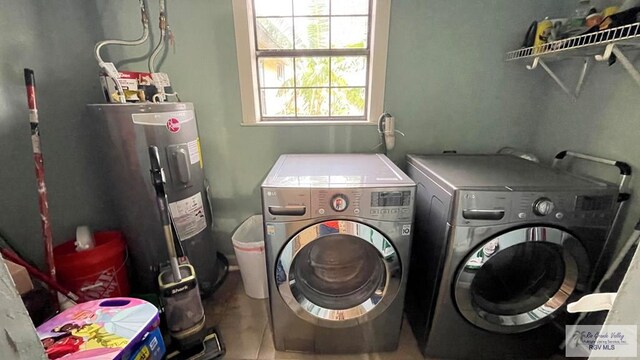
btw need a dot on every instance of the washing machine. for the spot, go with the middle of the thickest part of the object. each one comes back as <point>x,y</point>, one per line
<point>502,244</point>
<point>338,231</point>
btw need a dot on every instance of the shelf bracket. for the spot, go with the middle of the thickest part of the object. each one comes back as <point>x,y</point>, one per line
<point>583,73</point>
<point>574,95</point>
<point>608,50</point>
<point>626,63</point>
<point>557,79</point>
<point>535,63</point>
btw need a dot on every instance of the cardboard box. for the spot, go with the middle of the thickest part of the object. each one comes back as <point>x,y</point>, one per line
<point>130,82</point>
<point>20,277</point>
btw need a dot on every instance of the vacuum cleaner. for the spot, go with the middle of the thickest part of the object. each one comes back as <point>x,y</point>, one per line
<point>178,285</point>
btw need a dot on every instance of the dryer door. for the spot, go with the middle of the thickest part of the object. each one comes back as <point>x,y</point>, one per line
<point>338,273</point>
<point>519,280</point>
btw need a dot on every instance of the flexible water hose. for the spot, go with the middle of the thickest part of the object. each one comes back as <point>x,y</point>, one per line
<point>141,40</point>
<point>163,30</point>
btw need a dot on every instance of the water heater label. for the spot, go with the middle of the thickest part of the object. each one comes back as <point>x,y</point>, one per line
<point>194,151</point>
<point>188,216</point>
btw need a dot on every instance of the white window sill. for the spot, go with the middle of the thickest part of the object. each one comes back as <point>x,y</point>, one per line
<point>307,123</point>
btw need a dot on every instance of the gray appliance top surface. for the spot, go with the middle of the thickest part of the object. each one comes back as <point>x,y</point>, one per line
<point>142,107</point>
<point>335,170</point>
<point>497,170</point>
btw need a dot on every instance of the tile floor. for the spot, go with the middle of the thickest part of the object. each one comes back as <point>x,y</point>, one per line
<point>244,328</point>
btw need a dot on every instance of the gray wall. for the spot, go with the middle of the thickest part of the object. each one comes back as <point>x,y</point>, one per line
<point>603,121</point>
<point>447,86</point>
<point>55,39</point>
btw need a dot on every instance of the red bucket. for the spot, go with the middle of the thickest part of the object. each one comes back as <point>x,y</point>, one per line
<point>96,273</point>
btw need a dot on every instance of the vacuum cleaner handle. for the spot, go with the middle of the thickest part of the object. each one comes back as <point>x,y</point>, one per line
<point>158,180</point>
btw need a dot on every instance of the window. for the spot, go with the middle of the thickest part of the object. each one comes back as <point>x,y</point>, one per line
<point>311,61</point>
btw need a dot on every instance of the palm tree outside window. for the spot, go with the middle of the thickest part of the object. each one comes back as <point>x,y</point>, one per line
<point>312,59</point>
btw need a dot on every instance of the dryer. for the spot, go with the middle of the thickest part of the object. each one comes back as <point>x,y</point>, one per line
<point>502,244</point>
<point>338,233</point>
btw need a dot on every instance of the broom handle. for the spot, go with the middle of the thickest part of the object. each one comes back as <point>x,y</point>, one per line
<point>51,283</point>
<point>30,82</point>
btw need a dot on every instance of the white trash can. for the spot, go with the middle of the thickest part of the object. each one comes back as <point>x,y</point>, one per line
<point>248,244</point>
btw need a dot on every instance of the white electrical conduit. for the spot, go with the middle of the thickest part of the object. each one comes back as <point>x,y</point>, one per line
<point>163,30</point>
<point>108,67</point>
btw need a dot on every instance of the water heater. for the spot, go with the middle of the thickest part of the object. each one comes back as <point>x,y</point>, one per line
<point>123,133</point>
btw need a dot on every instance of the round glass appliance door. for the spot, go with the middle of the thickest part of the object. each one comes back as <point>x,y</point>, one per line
<point>518,281</point>
<point>338,273</point>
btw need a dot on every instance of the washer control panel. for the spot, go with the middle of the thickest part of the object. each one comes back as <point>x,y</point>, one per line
<point>382,204</point>
<point>284,204</point>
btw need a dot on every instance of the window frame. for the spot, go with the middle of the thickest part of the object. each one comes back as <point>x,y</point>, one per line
<point>248,76</point>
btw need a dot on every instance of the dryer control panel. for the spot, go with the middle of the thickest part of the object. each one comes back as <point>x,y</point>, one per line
<point>567,207</point>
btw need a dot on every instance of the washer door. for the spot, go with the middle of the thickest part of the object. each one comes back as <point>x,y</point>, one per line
<point>338,273</point>
<point>519,280</point>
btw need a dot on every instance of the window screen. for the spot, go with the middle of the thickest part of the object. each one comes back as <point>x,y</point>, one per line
<point>312,58</point>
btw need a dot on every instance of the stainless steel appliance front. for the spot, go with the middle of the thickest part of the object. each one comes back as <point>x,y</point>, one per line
<point>337,256</point>
<point>336,273</point>
<point>516,281</point>
<point>501,245</point>
<point>122,134</point>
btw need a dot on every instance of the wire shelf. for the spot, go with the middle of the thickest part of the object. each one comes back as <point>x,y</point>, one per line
<point>583,45</point>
